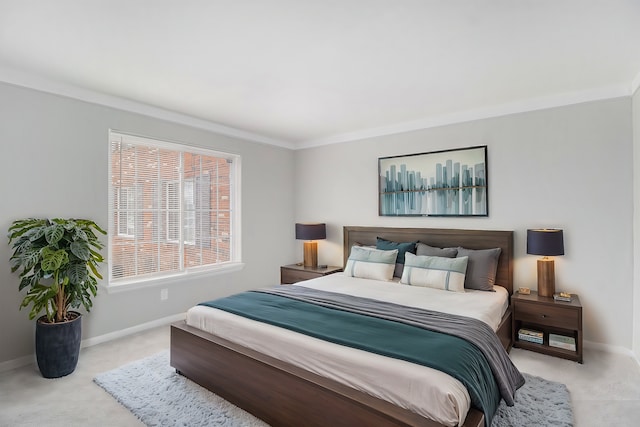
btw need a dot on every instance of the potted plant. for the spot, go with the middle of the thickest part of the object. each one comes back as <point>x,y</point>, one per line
<point>58,261</point>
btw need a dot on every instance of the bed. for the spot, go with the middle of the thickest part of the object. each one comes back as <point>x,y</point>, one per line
<point>282,393</point>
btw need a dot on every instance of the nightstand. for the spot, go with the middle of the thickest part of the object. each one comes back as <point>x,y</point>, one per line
<point>294,273</point>
<point>549,317</point>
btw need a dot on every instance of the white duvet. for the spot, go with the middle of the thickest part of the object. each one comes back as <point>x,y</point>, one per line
<point>420,389</point>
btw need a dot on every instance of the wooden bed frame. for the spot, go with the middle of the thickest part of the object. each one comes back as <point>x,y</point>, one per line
<point>282,394</point>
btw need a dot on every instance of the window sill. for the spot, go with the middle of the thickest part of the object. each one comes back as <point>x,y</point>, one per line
<point>163,281</point>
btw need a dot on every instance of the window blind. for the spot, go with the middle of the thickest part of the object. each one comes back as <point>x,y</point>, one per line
<point>171,208</point>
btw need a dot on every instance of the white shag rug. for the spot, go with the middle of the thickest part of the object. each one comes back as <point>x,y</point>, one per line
<point>154,393</point>
<point>158,396</point>
<point>538,402</point>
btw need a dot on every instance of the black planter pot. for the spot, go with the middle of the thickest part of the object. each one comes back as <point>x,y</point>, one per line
<point>58,346</point>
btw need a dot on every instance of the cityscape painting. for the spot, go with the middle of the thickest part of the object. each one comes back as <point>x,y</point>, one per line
<point>441,183</point>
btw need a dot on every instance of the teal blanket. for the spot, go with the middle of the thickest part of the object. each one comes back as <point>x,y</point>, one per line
<point>452,355</point>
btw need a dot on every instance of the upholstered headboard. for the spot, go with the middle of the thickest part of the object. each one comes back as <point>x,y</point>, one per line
<point>444,238</point>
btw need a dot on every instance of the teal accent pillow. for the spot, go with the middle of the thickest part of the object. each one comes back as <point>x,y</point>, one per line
<point>402,249</point>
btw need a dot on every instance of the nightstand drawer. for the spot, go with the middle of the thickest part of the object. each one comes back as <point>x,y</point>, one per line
<point>295,276</point>
<point>548,315</point>
<point>295,273</point>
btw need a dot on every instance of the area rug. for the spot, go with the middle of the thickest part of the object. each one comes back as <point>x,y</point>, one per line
<point>158,396</point>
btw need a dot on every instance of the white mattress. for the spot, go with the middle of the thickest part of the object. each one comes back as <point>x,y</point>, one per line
<point>423,390</point>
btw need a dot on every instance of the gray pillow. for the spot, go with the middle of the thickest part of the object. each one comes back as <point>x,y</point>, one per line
<point>481,268</point>
<point>422,249</point>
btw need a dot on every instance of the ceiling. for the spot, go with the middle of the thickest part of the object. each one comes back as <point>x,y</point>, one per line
<point>299,73</point>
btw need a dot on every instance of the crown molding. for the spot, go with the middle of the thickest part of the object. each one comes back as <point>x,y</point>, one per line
<point>532,104</point>
<point>32,81</point>
<point>40,83</point>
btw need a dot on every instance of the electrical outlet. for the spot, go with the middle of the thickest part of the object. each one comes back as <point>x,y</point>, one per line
<point>164,294</point>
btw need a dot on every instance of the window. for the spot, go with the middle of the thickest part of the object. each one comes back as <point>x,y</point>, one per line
<point>189,213</point>
<point>125,200</point>
<point>172,209</point>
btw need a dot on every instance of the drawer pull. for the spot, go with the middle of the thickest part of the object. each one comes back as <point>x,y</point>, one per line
<point>544,316</point>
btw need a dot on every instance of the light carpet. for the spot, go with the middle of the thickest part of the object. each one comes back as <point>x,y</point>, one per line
<point>154,393</point>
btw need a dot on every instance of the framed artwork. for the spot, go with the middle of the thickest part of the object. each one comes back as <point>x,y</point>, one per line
<point>440,183</point>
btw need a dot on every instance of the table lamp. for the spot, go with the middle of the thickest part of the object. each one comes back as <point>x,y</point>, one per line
<point>546,242</point>
<point>310,233</point>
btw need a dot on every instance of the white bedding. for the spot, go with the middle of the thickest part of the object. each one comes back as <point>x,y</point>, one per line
<point>420,389</point>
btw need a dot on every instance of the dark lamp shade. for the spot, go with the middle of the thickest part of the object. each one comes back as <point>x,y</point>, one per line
<point>311,231</point>
<point>545,242</point>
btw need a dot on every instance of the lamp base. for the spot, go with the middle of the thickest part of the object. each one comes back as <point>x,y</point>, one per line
<point>546,277</point>
<point>311,254</point>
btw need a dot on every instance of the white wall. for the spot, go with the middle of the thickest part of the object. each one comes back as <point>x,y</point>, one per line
<point>636,220</point>
<point>53,152</point>
<point>567,167</point>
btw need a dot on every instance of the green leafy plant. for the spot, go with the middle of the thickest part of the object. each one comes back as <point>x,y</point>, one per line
<point>58,261</point>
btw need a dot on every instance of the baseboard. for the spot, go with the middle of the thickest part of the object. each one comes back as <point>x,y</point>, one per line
<point>611,349</point>
<point>132,330</point>
<point>17,363</point>
<point>31,359</point>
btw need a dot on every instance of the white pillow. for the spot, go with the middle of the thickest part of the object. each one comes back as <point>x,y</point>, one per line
<point>370,263</point>
<point>435,272</point>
